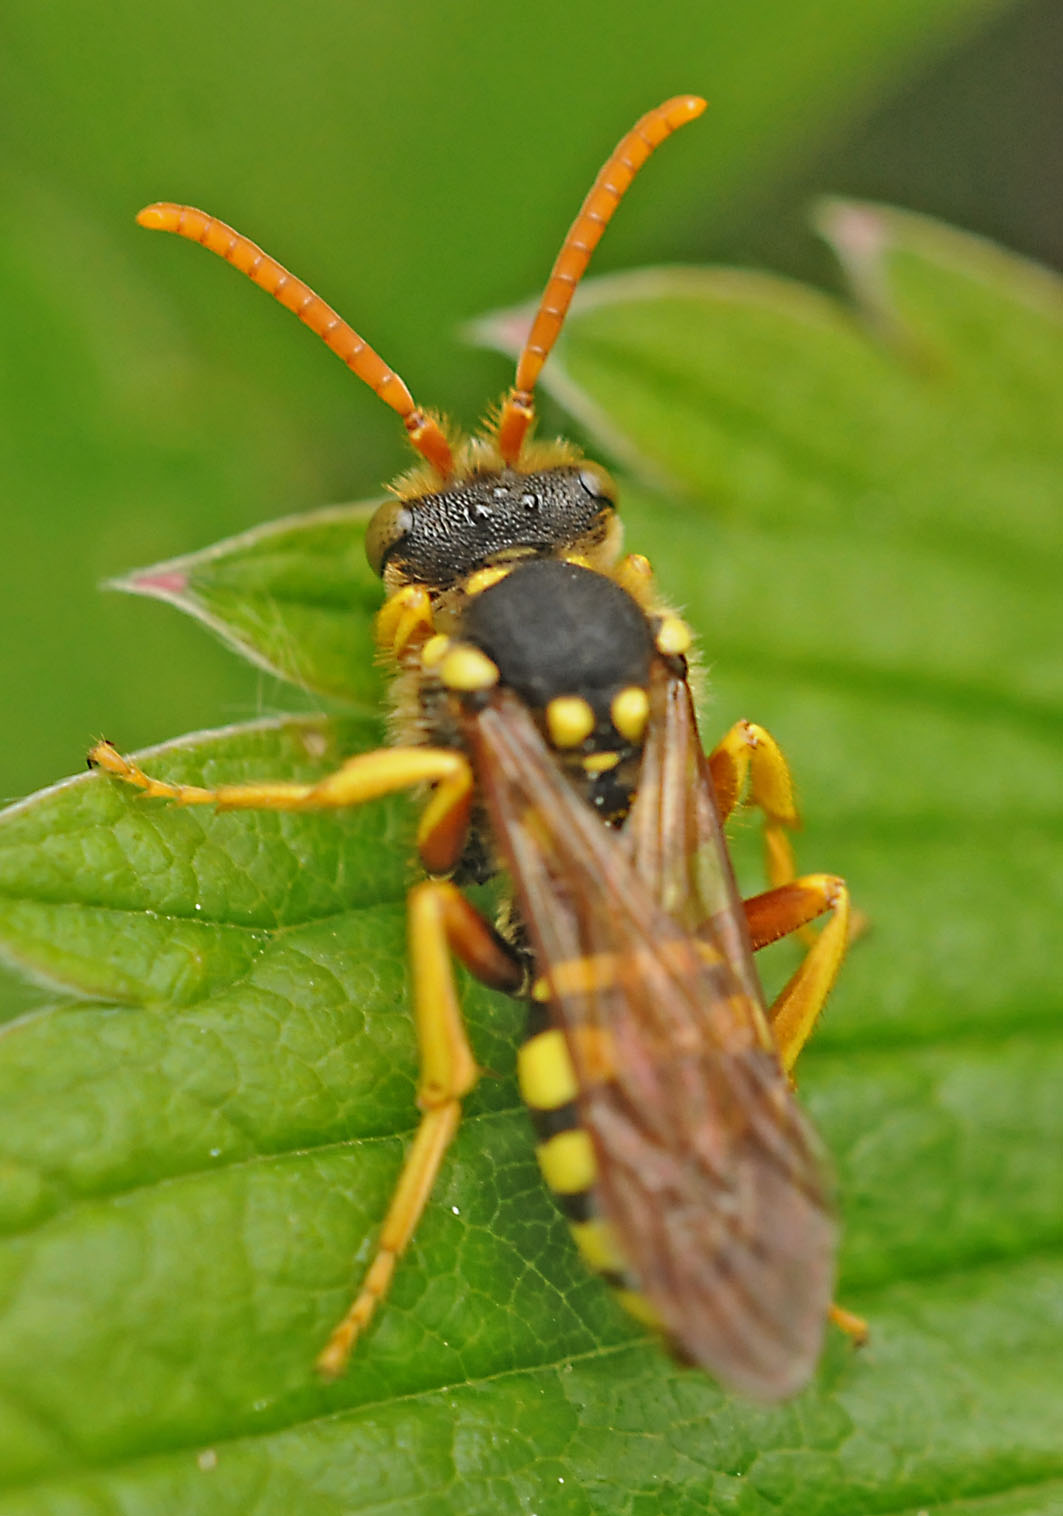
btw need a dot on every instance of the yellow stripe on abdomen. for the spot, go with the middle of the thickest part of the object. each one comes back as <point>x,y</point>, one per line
<point>598,1246</point>
<point>544,1069</point>
<point>568,1163</point>
<point>566,1157</point>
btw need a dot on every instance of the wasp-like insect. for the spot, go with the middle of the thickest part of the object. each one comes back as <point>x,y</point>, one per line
<point>541,689</point>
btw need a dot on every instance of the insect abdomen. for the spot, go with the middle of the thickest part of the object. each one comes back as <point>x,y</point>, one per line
<point>567,1160</point>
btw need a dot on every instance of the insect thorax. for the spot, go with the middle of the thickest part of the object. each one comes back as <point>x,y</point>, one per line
<point>556,629</point>
<point>576,649</point>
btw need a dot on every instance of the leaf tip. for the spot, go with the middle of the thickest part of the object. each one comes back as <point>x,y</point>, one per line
<point>861,239</point>
<point>857,235</point>
<point>157,584</point>
<point>505,331</point>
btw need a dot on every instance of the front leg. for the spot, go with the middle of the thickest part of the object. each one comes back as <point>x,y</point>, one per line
<point>440,923</point>
<point>749,764</point>
<point>368,776</point>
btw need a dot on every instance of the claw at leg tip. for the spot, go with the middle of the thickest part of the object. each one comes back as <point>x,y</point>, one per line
<point>332,1361</point>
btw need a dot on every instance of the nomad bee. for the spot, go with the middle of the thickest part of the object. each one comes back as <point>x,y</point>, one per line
<point>541,691</point>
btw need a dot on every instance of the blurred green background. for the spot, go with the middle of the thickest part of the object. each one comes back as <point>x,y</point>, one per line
<point>417,164</point>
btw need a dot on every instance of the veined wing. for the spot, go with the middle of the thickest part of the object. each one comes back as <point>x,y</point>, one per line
<point>707,1171</point>
<point>673,833</point>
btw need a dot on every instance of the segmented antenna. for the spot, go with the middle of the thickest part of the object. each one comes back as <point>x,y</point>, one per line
<point>612,183</point>
<point>261,269</point>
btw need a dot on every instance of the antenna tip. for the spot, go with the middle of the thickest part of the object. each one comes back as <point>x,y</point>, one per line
<point>154,217</point>
<point>690,105</point>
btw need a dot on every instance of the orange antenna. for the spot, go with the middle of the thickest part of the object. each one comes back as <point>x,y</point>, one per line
<point>184,220</point>
<point>607,191</point>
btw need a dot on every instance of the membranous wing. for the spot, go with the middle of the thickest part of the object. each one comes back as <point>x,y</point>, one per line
<point>708,1172</point>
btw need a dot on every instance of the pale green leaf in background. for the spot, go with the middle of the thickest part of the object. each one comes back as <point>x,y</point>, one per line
<point>416,164</point>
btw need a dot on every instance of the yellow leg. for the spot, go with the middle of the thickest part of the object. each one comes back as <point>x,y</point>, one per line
<point>749,755</point>
<point>368,776</point>
<point>799,1003</point>
<point>854,1326</point>
<point>441,921</point>
<point>789,908</point>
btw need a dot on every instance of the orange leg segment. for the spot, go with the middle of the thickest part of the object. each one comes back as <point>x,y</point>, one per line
<point>789,908</point>
<point>785,909</point>
<point>440,922</point>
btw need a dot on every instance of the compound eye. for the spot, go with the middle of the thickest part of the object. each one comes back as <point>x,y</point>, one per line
<point>390,523</point>
<point>598,484</point>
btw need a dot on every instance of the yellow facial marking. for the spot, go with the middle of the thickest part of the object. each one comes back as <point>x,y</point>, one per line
<point>484,578</point>
<point>579,559</point>
<point>630,711</point>
<point>466,668</point>
<point>544,1070</point>
<point>540,991</point>
<point>673,636</point>
<point>567,1162</point>
<point>597,1243</point>
<point>569,719</point>
<point>600,763</point>
<point>435,650</point>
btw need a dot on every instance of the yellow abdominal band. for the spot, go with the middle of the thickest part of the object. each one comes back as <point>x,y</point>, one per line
<point>566,1157</point>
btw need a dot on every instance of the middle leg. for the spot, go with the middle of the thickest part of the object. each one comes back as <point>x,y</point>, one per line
<point>748,763</point>
<point>790,908</point>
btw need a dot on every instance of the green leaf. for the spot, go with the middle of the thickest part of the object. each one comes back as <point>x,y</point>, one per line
<point>297,597</point>
<point>192,1162</point>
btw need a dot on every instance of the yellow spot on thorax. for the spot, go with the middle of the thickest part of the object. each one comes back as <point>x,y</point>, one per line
<point>435,650</point>
<point>630,711</point>
<point>466,668</point>
<point>600,763</point>
<point>569,720</point>
<point>673,637</point>
<point>484,578</point>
